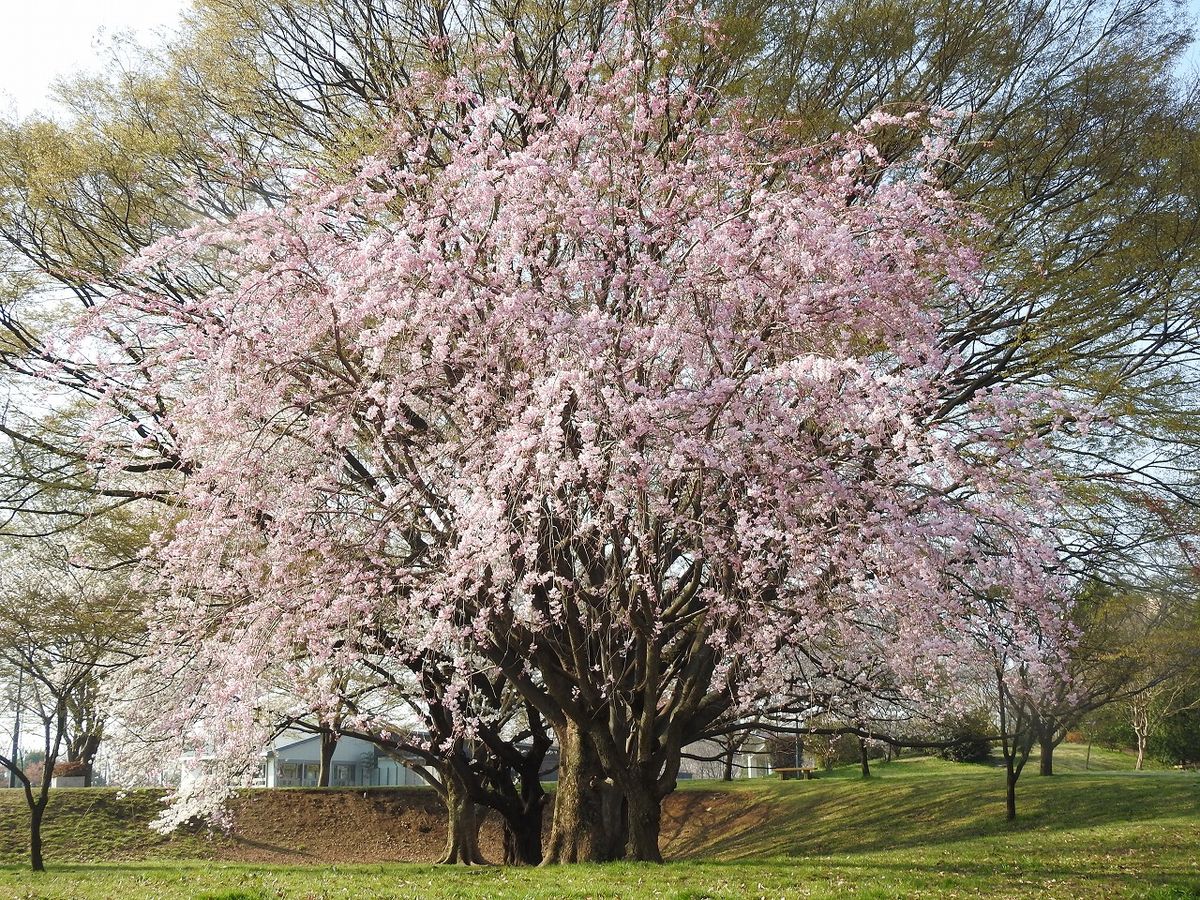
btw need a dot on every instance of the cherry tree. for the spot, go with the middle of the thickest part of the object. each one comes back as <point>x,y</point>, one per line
<point>626,411</point>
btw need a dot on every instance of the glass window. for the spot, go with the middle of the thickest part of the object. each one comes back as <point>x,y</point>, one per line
<point>289,775</point>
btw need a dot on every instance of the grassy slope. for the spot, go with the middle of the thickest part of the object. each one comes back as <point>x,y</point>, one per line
<point>919,828</point>
<point>97,824</point>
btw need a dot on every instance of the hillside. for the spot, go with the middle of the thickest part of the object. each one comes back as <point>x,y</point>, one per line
<point>919,825</point>
<point>837,812</point>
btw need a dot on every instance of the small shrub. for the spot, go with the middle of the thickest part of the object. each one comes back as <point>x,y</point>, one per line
<point>834,750</point>
<point>971,738</point>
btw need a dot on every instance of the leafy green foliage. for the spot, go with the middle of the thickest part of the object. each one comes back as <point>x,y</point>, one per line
<point>973,735</point>
<point>1178,739</point>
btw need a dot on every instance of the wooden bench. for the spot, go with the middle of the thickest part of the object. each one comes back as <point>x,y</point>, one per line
<point>787,773</point>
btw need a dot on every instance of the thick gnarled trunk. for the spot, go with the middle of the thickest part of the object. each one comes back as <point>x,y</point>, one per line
<point>587,822</point>
<point>462,826</point>
<point>645,823</point>
<point>523,838</point>
<point>83,750</point>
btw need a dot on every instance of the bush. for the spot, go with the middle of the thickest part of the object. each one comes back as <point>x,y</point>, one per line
<point>1109,727</point>
<point>970,736</point>
<point>1177,741</point>
<point>834,750</point>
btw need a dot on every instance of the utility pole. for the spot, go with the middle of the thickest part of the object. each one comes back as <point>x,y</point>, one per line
<point>796,741</point>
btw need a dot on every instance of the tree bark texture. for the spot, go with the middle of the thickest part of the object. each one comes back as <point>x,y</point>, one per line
<point>329,741</point>
<point>35,839</point>
<point>585,825</point>
<point>462,826</point>
<point>1046,763</point>
<point>84,750</point>
<point>523,839</point>
<point>645,822</point>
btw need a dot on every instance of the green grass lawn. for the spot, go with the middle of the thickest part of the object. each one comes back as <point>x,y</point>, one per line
<point>917,828</point>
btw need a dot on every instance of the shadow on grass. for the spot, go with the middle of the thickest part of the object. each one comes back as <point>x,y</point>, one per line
<point>845,817</point>
<point>1175,882</point>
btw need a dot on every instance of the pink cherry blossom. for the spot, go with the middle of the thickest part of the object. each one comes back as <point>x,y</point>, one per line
<point>630,409</point>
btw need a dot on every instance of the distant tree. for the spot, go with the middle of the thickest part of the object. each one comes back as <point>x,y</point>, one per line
<point>57,531</point>
<point>1130,638</point>
<point>1021,681</point>
<point>1153,706</point>
<point>86,719</point>
<point>1177,742</point>
<point>56,641</point>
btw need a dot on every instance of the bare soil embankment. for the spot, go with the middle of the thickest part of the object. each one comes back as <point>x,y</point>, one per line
<point>314,826</point>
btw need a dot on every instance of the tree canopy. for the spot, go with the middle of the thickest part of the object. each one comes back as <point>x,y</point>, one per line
<point>642,406</point>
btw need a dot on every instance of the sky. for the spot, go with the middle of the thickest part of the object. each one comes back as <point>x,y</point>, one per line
<point>43,39</point>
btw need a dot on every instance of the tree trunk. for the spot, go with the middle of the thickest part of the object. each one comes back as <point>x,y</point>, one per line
<point>524,813</point>
<point>84,750</point>
<point>586,822</point>
<point>1010,796</point>
<point>329,741</point>
<point>1046,764</point>
<point>35,837</point>
<point>862,754</point>
<point>614,813</point>
<point>462,826</point>
<point>727,775</point>
<point>523,837</point>
<point>645,822</point>
<point>1141,727</point>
